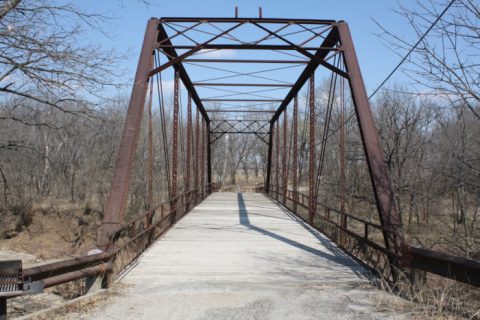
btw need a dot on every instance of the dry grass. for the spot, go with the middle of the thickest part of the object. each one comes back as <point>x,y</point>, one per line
<point>72,309</point>
<point>439,298</point>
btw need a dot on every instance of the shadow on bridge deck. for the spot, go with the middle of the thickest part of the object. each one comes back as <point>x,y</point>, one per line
<point>243,256</point>
<point>335,254</point>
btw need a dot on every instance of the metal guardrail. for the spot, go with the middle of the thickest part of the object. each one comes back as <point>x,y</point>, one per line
<point>456,268</point>
<point>11,278</point>
<point>127,243</point>
<point>357,241</point>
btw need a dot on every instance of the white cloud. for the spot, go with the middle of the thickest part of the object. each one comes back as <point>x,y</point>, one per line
<point>213,53</point>
<point>167,86</point>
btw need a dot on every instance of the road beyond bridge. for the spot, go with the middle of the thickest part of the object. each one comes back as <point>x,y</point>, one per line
<point>243,256</point>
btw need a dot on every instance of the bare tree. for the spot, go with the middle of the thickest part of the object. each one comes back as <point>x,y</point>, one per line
<point>43,57</point>
<point>446,61</point>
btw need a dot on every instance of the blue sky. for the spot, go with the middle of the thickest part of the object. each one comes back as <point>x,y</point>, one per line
<point>376,60</point>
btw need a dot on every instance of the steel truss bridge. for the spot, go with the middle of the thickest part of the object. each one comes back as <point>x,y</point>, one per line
<point>248,76</point>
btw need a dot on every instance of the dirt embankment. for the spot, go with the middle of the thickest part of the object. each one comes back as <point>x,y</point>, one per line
<point>49,232</point>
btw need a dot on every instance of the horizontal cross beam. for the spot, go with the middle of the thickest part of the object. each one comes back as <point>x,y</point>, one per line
<point>240,120</point>
<point>215,84</point>
<point>240,132</point>
<point>240,111</point>
<point>248,46</point>
<point>260,20</point>
<point>245,61</point>
<point>242,100</point>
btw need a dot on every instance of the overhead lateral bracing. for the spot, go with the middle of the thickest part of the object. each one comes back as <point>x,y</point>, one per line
<point>241,75</point>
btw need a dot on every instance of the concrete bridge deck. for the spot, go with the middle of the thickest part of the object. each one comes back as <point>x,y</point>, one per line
<point>242,256</point>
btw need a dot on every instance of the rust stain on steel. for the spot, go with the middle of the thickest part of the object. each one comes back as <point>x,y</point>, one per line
<point>189,146</point>
<point>202,160</point>
<point>277,158</point>
<point>209,157</point>
<point>175,136</point>
<point>343,218</point>
<point>197,151</point>
<point>453,267</point>
<point>295,152</point>
<point>268,180</point>
<point>311,158</point>
<point>150,151</point>
<point>284,158</point>
<point>376,165</point>
<point>337,33</point>
<point>117,198</point>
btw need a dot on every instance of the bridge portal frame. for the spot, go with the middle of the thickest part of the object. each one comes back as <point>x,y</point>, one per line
<point>337,40</point>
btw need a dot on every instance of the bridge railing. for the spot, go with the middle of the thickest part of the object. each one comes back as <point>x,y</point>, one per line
<point>127,244</point>
<point>363,240</point>
<point>360,238</point>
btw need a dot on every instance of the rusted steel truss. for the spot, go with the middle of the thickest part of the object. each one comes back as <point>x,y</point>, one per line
<point>292,43</point>
<point>188,43</point>
<point>257,127</point>
<point>193,46</point>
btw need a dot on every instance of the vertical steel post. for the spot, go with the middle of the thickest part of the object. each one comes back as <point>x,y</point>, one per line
<point>202,160</point>
<point>175,139</point>
<point>209,158</point>
<point>197,154</point>
<point>277,160</point>
<point>117,198</point>
<point>295,153</point>
<point>284,159</point>
<point>382,190</point>
<point>150,156</point>
<point>269,159</point>
<point>341,153</point>
<point>189,150</point>
<point>311,159</point>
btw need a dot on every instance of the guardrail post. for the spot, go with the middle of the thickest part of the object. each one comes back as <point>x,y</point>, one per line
<point>95,282</point>
<point>3,308</point>
<point>133,230</point>
<point>417,278</point>
<point>342,229</point>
